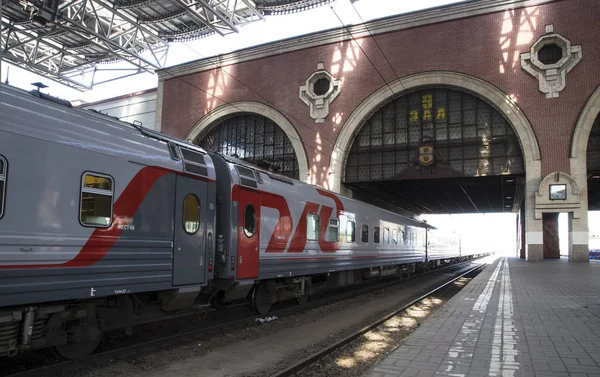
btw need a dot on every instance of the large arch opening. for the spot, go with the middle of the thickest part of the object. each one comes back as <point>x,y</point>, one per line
<point>593,166</point>
<point>256,133</point>
<point>530,228</point>
<point>437,150</point>
<point>253,138</point>
<point>585,169</point>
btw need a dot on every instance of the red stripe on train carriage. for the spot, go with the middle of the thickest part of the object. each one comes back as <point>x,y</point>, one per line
<point>103,239</point>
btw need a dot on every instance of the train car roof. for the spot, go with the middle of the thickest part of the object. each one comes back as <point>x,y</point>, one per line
<point>94,113</point>
<point>283,178</point>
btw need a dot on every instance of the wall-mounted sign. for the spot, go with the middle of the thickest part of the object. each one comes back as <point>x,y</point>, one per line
<point>558,192</point>
<point>427,111</point>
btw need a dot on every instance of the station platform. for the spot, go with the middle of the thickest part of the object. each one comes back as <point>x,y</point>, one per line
<point>513,319</point>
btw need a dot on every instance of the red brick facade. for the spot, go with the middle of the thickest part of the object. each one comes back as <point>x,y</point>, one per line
<point>485,46</point>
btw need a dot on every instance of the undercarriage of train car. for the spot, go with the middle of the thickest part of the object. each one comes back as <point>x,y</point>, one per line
<point>263,294</point>
<point>74,329</point>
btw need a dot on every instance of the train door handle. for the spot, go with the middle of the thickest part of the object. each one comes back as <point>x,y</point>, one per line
<point>201,261</point>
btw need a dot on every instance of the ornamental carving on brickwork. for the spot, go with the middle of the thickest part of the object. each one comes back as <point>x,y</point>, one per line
<point>549,60</point>
<point>319,92</point>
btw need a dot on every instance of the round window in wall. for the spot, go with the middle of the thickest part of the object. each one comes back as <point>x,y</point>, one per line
<point>550,54</point>
<point>321,86</point>
<point>249,221</point>
<point>191,214</point>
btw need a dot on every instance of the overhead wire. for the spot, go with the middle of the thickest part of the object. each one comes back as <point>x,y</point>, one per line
<point>360,47</point>
<point>269,102</point>
<point>375,40</point>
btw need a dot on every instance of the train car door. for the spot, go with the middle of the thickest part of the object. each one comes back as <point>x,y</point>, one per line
<point>189,252</point>
<point>248,234</point>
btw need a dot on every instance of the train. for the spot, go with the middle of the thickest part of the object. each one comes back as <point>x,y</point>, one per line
<point>104,223</point>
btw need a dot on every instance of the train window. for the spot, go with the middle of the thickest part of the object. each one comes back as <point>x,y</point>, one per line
<point>191,214</point>
<point>3,169</point>
<point>333,229</point>
<point>350,231</point>
<point>395,236</point>
<point>312,227</point>
<point>249,221</point>
<point>376,234</point>
<point>96,200</point>
<point>364,237</point>
<point>386,236</point>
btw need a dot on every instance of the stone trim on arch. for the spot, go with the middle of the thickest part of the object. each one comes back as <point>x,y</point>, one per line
<point>584,126</point>
<point>578,165</point>
<point>206,123</point>
<point>495,96</point>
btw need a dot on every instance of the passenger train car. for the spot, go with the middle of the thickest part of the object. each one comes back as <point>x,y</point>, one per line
<point>104,223</point>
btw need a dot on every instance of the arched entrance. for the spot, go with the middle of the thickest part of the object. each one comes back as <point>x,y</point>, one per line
<point>499,100</point>
<point>585,169</point>
<point>255,133</point>
<point>446,134</point>
<point>593,166</point>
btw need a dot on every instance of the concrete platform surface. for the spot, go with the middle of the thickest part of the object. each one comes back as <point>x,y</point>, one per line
<point>514,319</point>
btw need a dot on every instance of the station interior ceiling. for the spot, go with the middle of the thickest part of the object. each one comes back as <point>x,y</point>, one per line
<point>489,194</point>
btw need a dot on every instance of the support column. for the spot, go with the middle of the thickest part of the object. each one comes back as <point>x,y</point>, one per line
<point>551,245</point>
<point>533,227</point>
<point>578,239</point>
<point>522,231</point>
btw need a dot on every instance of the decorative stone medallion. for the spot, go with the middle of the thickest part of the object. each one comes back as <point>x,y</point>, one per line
<point>549,60</point>
<point>319,92</point>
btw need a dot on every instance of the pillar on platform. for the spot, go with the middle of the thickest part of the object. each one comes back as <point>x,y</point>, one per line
<point>578,238</point>
<point>534,239</point>
<point>550,236</point>
<point>522,244</point>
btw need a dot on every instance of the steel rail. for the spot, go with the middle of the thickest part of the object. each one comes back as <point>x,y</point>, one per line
<point>334,347</point>
<point>72,365</point>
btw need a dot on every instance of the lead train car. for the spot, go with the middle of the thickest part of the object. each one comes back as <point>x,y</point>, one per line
<point>93,213</point>
<point>103,223</point>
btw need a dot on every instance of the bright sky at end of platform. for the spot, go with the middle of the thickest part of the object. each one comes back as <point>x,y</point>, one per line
<point>497,231</point>
<point>273,28</point>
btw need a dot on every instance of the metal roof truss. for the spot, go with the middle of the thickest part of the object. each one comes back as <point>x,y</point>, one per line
<point>66,40</point>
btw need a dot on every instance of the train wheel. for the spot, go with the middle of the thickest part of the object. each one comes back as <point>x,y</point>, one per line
<point>259,296</point>
<point>82,340</point>
<point>302,299</point>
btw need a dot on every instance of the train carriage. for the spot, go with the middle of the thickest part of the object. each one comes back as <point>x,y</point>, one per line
<point>93,208</point>
<point>283,233</point>
<point>103,223</point>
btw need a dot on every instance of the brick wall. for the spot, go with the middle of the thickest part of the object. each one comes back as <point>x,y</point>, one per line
<point>486,47</point>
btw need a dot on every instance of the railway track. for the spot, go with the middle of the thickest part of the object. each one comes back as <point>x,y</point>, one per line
<point>124,352</point>
<point>302,365</point>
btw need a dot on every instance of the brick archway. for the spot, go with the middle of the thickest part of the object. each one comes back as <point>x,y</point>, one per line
<point>500,100</point>
<point>578,163</point>
<point>205,124</point>
<point>583,128</point>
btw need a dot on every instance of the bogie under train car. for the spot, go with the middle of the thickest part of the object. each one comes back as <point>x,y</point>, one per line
<point>104,223</point>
